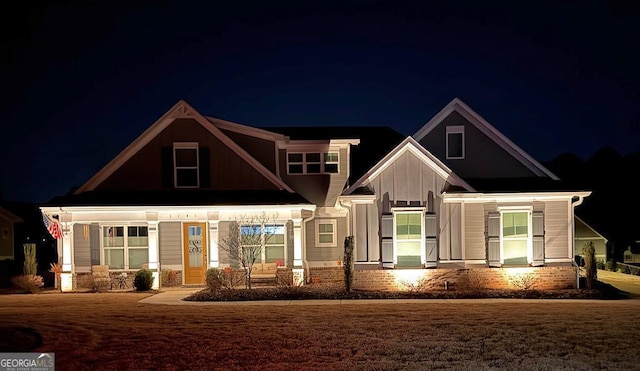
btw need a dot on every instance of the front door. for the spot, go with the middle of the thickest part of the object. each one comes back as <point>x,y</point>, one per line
<point>195,256</point>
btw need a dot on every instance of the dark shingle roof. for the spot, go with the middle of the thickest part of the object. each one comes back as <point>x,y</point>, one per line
<point>180,198</point>
<point>524,184</point>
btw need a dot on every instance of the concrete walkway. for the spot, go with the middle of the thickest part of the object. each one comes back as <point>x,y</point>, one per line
<point>174,296</point>
<point>625,282</point>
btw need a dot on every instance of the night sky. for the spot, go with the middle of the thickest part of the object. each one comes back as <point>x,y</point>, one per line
<point>81,80</point>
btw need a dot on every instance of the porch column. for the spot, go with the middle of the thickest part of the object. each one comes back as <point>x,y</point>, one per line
<point>214,255</point>
<point>154,261</point>
<point>297,242</point>
<point>67,247</point>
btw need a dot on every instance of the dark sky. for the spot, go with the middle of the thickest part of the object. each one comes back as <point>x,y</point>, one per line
<point>81,80</point>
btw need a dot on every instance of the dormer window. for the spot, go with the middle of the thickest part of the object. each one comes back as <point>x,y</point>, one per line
<point>455,142</point>
<point>313,163</point>
<point>185,159</point>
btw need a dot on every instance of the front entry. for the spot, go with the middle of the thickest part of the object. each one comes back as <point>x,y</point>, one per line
<point>195,257</point>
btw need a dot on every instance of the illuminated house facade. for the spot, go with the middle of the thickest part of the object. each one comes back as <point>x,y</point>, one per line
<point>457,203</point>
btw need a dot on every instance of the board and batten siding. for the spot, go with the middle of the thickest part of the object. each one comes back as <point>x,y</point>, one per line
<point>474,238</point>
<point>81,248</point>
<point>321,253</point>
<point>170,243</point>
<point>557,225</point>
<point>366,233</point>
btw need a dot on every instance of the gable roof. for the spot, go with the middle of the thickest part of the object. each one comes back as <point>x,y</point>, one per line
<point>489,130</point>
<point>411,145</point>
<point>180,110</point>
<point>590,228</point>
<point>9,216</point>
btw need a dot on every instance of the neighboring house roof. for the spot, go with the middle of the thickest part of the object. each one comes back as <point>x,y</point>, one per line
<point>375,142</point>
<point>9,216</point>
<point>583,226</point>
<point>410,144</point>
<point>484,126</point>
<point>183,197</point>
<point>180,110</point>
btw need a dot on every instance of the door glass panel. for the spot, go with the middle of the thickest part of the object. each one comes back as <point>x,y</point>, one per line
<point>195,247</point>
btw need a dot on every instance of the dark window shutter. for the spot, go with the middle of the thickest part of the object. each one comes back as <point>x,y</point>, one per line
<point>205,167</point>
<point>430,228</point>
<point>166,161</point>
<point>538,238</point>
<point>493,233</point>
<point>387,240</point>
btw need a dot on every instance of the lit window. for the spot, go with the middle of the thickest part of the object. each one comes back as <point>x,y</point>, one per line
<point>516,237</point>
<point>267,240</point>
<point>313,163</point>
<point>326,232</point>
<point>186,165</point>
<point>455,142</point>
<point>125,247</point>
<point>408,238</point>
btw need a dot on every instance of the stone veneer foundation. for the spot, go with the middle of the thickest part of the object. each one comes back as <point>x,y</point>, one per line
<point>541,278</point>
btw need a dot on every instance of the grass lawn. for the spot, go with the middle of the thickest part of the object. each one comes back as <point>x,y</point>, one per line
<point>113,331</point>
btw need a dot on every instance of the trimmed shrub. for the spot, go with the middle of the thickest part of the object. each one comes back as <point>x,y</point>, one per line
<point>348,263</point>
<point>591,272</point>
<point>143,280</point>
<point>214,278</point>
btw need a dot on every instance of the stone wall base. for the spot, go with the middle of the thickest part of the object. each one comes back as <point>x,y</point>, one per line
<point>540,278</point>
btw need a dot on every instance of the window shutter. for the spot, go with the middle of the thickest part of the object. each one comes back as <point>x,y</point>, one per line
<point>493,234</point>
<point>94,243</point>
<point>204,167</point>
<point>387,240</point>
<point>430,228</point>
<point>166,162</point>
<point>538,238</point>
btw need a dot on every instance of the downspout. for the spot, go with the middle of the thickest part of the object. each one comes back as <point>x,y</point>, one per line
<point>305,263</point>
<point>575,203</point>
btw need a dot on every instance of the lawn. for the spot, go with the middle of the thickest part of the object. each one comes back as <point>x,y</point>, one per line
<point>114,331</point>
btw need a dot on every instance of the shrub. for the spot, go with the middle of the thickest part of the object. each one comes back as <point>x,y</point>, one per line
<point>348,263</point>
<point>143,280</point>
<point>168,277</point>
<point>214,278</point>
<point>600,264</point>
<point>28,282</point>
<point>591,272</point>
<point>611,265</point>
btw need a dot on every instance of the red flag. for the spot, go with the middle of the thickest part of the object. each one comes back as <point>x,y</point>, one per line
<point>52,226</point>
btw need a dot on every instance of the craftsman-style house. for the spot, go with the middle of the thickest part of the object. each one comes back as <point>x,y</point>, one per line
<point>456,203</point>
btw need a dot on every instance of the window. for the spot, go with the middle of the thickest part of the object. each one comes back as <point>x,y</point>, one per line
<point>185,158</point>
<point>409,239</point>
<point>455,142</point>
<point>125,247</point>
<point>326,233</point>
<point>5,233</point>
<point>313,163</point>
<point>269,240</point>
<point>516,237</point>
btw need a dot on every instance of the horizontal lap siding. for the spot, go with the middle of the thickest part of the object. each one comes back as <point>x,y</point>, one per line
<point>474,242</point>
<point>81,248</point>
<point>170,243</point>
<point>316,253</point>
<point>557,225</point>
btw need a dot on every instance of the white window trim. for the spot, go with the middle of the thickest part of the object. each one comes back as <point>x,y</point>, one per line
<point>412,210</point>
<point>334,234</point>
<point>263,253</point>
<point>126,246</point>
<point>458,129</point>
<point>529,211</point>
<point>304,162</point>
<point>186,145</point>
